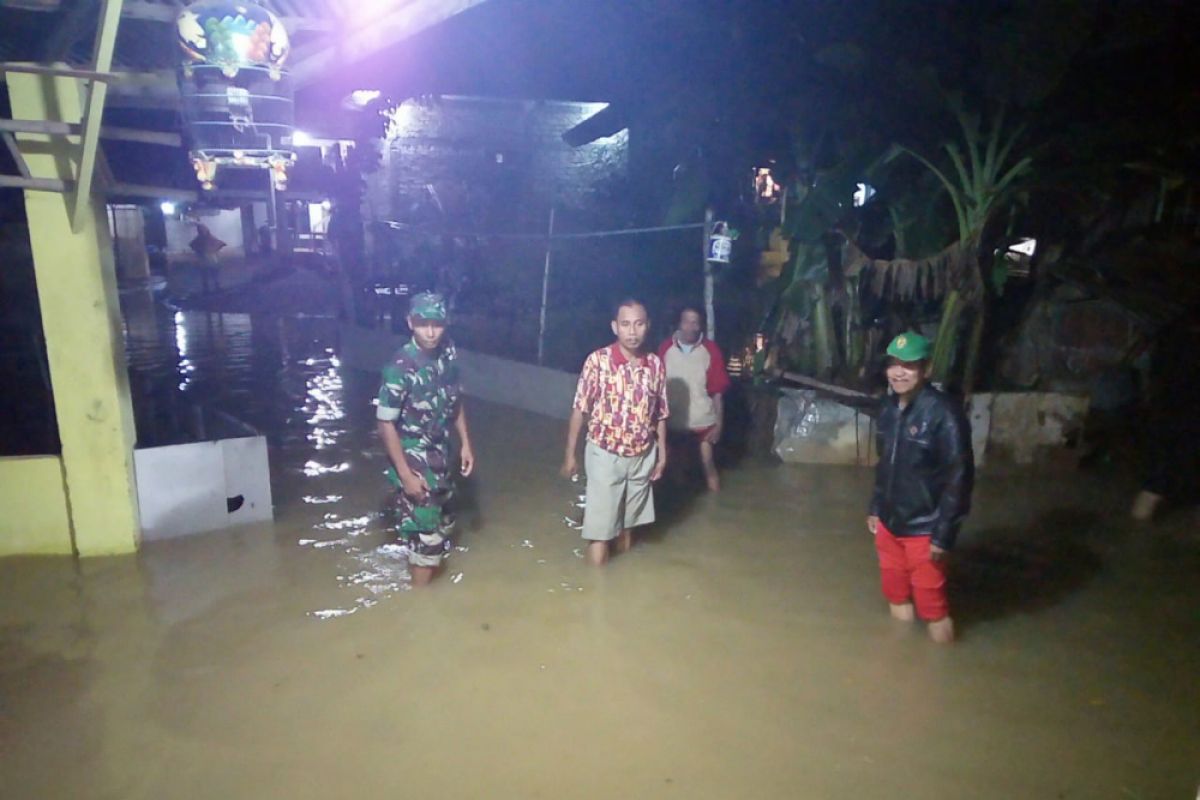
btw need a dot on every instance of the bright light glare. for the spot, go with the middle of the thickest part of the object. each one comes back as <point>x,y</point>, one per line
<point>314,468</point>
<point>302,139</point>
<point>1026,247</point>
<point>181,337</point>
<point>168,208</point>
<point>864,193</point>
<point>402,120</point>
<point>360,97</point>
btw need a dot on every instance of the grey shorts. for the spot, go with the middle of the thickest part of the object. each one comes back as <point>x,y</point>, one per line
<point>619,494</point>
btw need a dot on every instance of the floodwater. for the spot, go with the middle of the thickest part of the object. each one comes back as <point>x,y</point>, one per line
<point>741,650</point>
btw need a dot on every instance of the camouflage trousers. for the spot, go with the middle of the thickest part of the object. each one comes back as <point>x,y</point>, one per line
<point>425,525</point>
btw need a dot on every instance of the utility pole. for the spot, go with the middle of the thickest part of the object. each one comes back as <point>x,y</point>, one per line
<point>711,319</point>
<point>541,353</point>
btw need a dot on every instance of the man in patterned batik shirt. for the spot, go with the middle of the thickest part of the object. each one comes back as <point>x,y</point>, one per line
<point>623,393</point>
<point>418,402</point>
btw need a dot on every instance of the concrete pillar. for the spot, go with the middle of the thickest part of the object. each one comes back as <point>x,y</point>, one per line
<point>81,320</point>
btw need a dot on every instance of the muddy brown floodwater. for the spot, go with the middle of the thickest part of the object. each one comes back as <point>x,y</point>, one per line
<point>741,650</point>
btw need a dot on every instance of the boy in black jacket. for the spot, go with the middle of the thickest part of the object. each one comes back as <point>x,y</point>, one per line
<point>922,487</point>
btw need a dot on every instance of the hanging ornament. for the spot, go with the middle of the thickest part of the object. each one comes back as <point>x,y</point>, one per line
<point>232,35</point>
<point>720,243</point>
<point>238,102</point>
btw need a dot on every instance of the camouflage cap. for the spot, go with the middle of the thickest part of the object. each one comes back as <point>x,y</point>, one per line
<point>909,346</point>
<point>428,305</point>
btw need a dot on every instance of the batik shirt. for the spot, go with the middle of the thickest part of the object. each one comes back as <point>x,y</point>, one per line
<point>624,399</point>
<point>420,394</point>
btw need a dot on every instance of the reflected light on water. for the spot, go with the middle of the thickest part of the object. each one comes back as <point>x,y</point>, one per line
<point>356,525</point>
<point>319,500</point>
<point>324,405</point>
<point>186,367</point>
<point>313,468</point>
<point>186,371</point>
<point>181,337</point>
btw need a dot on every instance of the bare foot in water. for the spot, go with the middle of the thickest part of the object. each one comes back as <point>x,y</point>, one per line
<point>942,630</point>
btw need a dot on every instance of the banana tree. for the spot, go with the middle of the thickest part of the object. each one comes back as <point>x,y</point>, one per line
<point>804,311</point>
<point>986,168</point>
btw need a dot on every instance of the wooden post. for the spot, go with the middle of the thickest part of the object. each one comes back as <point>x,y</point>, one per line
<point>709,312</point>
<point>541,350</point>
<point>93,112</point>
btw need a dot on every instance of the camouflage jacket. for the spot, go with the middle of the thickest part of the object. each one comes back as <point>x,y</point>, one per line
<point>420,394</point>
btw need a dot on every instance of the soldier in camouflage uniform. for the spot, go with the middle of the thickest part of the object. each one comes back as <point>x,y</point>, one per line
<point>418,402</point>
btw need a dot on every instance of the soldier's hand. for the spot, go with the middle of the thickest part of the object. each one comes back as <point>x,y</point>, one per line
<point>936,553</point>
<point>873,524</point>
<point>414,486</point>
<point>468,461</point>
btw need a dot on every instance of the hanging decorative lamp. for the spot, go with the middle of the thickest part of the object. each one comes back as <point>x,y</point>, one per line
<point>720,243</point>
<point>238,101</point>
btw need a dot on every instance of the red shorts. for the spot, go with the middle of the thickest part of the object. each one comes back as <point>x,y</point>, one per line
<point>907,572</point>
<point>690,437</point>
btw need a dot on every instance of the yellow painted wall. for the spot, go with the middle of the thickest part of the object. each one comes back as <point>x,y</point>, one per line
<point>81,320</point>
<point>34,519</point>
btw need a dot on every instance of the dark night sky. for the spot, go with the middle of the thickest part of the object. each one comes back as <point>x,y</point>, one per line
<point>754,54</point>
<point>597,49</point>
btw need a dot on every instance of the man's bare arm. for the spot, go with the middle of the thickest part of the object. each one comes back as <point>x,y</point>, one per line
<point>574,426</point>
<point>467,451</point>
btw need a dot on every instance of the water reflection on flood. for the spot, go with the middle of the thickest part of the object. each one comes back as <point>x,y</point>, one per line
<point>281,376</point>
<point>740,650</point>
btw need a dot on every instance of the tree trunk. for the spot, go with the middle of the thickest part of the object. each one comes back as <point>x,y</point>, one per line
<point>823,334</point>
<point>971,368</point>
<point>946,343</point>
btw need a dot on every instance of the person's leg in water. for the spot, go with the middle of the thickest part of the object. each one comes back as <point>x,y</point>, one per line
<point>941,630</point>
<point>893,574</point>
<point>679,472</point>
<point>624,540</point>
<point>1170,454</point>
<point>422,576</point>
<point>639,498</point>
<point>1160,454</point>
<point>709,462</point>
<point>928,578</point>
<point>597,553</point>
<point>1144,505</point>
<point>605,491</point>
<point>424,527</point>
<point>210,275</point>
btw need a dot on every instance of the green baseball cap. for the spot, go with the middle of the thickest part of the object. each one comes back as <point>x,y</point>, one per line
<point>909,346</point>
<point>428,305</point>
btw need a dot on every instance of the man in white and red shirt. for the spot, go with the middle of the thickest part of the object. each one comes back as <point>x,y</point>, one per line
<point>622,392</point>
<point>696,382</point>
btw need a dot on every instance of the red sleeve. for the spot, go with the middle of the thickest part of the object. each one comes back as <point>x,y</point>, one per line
<point>717,379</point>
<point>663,348</point>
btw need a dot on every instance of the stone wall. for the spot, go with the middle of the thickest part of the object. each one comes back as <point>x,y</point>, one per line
<point>1023,429</point>
<point>490,163</point>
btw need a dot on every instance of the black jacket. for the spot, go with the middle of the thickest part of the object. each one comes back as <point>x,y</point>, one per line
<point>926,469</point>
